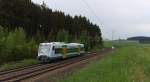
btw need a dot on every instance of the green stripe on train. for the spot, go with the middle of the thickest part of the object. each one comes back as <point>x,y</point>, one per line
<point>69,50</point>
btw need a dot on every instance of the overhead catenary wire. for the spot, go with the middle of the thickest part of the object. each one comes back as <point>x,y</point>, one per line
<point>91,9</point>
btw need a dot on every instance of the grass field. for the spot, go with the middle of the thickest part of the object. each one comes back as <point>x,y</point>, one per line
<point>20,64</point>
<point>129,63</point>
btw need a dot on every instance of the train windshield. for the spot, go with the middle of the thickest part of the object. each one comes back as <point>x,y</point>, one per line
<point>44,49</point>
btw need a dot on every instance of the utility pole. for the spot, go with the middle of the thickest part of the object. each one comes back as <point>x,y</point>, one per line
<point>113,39</point>
<point>119,40</point>
<point>112,35</point>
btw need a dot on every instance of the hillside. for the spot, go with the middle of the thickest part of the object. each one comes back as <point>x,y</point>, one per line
<point>40,20</point>
<point>24,24</point>
<point>141,39</point>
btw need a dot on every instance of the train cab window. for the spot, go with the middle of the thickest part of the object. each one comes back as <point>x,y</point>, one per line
<point>53,48</point>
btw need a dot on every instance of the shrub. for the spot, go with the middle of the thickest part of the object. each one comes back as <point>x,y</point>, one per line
<point>14,46</point>
<point>23,63</point>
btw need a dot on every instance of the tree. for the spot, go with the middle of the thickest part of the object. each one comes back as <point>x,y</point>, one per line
<point>43,24</point>
<point>62,36</point>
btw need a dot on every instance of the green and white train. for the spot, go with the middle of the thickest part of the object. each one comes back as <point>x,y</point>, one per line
<point>56,50</point>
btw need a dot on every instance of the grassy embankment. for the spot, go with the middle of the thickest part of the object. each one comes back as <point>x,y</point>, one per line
<point>19,64</point>
<point>127,64</point>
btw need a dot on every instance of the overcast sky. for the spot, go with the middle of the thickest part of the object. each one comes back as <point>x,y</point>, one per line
<point>125,18</point>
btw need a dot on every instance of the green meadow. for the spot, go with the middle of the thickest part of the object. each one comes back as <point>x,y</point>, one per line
<point>128,63</point>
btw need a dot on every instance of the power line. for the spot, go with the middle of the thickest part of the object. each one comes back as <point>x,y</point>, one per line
<point>90,8</point>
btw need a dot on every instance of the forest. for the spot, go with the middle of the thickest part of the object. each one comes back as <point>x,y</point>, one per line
<point>24,24</point>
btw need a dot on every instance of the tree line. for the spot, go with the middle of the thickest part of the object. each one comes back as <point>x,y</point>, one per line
<point>140,39</point>
<point>41,24</point>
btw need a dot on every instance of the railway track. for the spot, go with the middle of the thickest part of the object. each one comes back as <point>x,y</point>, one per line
<point>25,73</point>
<point>26,67</point>
<point>18,69</point>
<point>18,75</point>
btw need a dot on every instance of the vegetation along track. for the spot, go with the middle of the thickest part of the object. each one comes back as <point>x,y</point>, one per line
<point>23,74</point>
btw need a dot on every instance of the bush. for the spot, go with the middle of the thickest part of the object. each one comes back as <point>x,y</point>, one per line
<point>23,63</point>
<point>14,46</point>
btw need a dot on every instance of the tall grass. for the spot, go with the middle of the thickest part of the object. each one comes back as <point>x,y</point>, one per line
<point>127,64</point>
<point>20,64</point>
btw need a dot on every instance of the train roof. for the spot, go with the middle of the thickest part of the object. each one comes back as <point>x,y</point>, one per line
<point>61,43</point>
<point>75,44</point>
<point>53,43</point>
